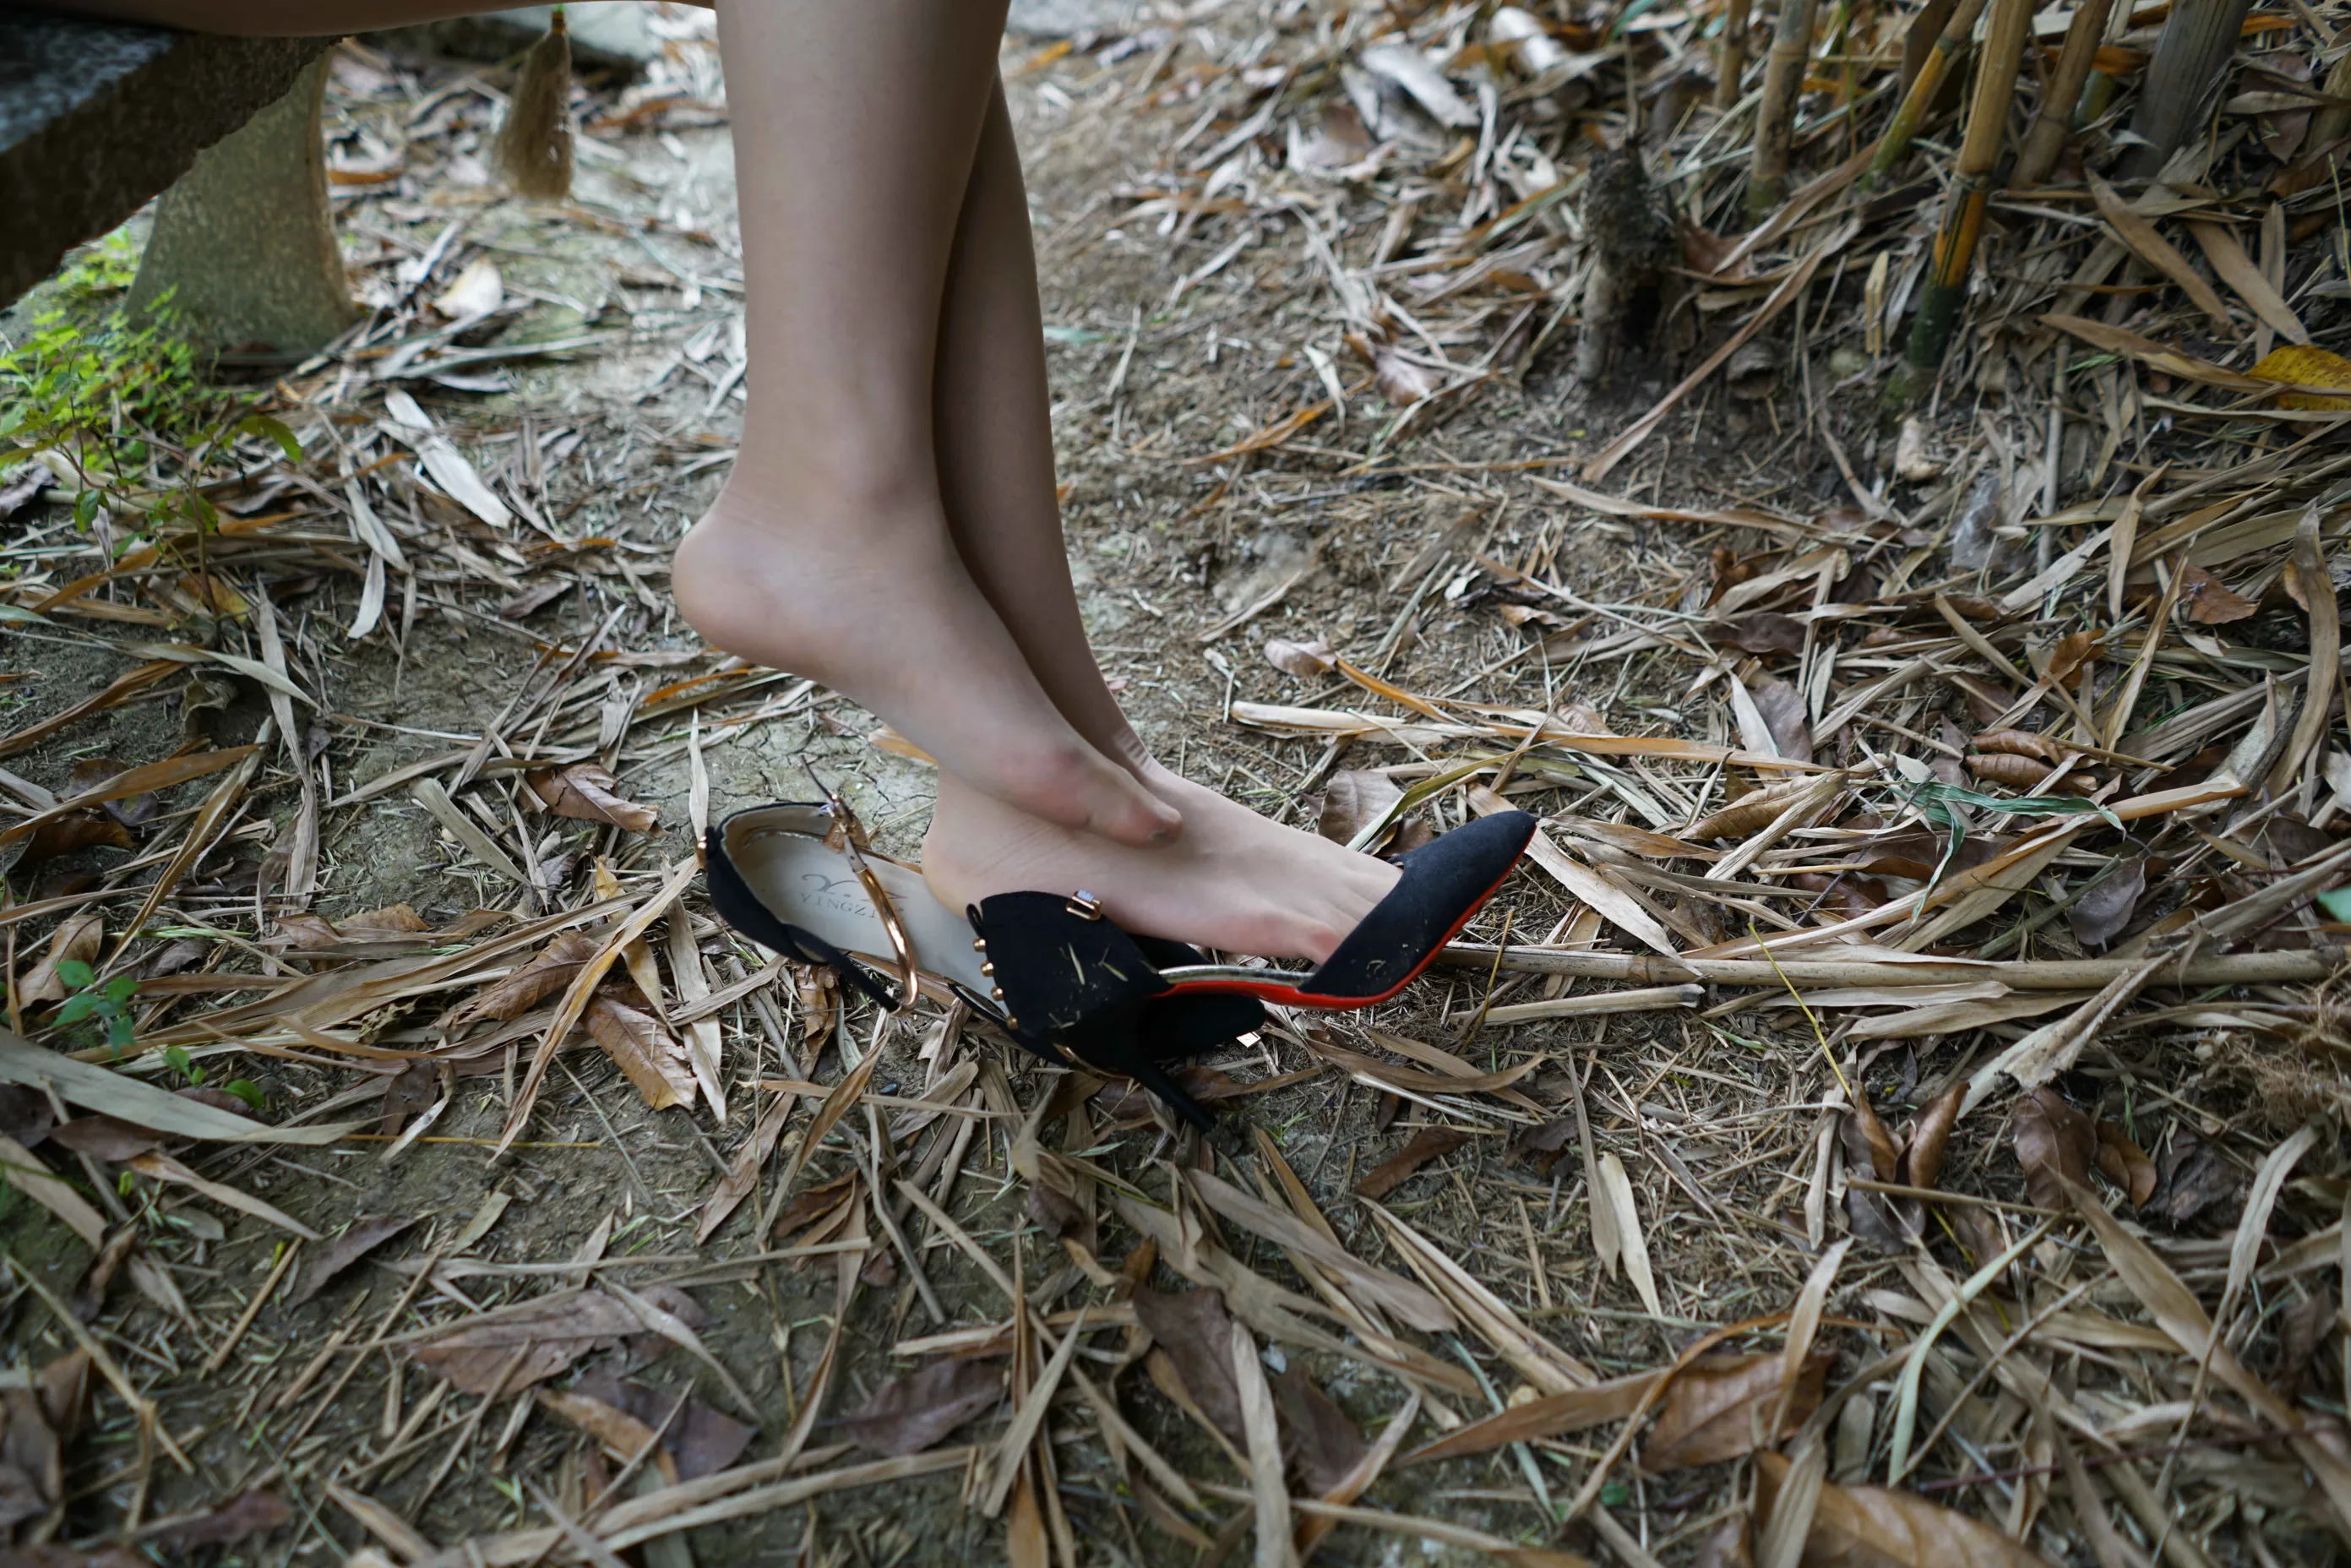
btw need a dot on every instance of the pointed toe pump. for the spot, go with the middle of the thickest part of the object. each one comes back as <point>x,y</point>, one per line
<point>1073,977</point>
<point>800,879</point>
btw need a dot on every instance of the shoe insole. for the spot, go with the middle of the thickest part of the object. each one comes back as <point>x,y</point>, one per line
<point>806,885</point>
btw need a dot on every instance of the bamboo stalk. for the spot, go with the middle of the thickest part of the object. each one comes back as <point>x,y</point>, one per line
<point>1736,17</point>
<point>1775,117</point>
<point>2099,90</point>
<point>2280,969</point>
<point>2198,39</point>
<point>1933,72</point>
<point>2054,120</point>
<point>1946,285</point>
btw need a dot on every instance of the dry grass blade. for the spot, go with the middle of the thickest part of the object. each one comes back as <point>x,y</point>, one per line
<point>1855,1525</point>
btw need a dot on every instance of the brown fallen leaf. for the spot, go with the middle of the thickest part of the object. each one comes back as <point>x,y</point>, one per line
<point>1354,800</point>
<point>2198,1183</point>
<point>50,1554</point>
<point>703,1440</point>
<point>1541,1145</point>
<point>587,792</point>
<point>1922,1156</point>
<point>76,940</point>
<point>2052,1141</point>
<point>652,1059</point>
<point>814,1203</point>
<point>549,971</point>
<point>2302,1330</point>
<point>1731,1546</point>
<point>1719,1405</point>
<point>624,1436</point>
<point>88,827</point>
<point>1304,660</point>
<point>1195,1332</point>
<point>107,1138</point>
<point>252,1513</point>
<point>1058,1215</point>
<point>1321,1443</point>
<point>361,1239</point>
<point>1428,1143</point>
<point>548,1334</point>
<point>34,1423</point>
<point>2105,910</point>
<point>2024,743</point>
<point>1783,707</point>
<point>2125,1163</point>
<point>1870,1527</point>
<point>1765,631</point>
<point>2015,772</point>
<point>910,1414</point>
<point>132,811</point>
<point>2074,652</point>
<point>2210,601</point>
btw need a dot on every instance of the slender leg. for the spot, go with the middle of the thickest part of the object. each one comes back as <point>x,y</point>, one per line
<point>1237,881</point>
<point>828,553</point>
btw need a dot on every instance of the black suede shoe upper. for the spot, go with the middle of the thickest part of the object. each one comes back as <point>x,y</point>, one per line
<point>1442,881</point>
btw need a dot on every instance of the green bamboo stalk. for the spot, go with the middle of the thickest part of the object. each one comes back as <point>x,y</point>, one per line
<point>1924,87</point>
<point>2198,39</point>
<point>2099,90</point>
<point>1733,64</point>
<point>1775,116</point>
<point>1946,287</point>
<point>2053,122</point>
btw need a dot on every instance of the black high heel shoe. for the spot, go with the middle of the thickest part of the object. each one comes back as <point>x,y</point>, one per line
<point>1075,979</point>
<point>800,879</point>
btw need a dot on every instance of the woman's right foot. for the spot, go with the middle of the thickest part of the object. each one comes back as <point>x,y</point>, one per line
<point>1237,881</point>
<point>873,600</point>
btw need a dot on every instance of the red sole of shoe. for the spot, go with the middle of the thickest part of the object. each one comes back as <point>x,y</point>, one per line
<point>1291,996</point>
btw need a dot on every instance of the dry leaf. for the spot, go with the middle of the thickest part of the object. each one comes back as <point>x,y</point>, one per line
<point>702,1440</point>
<point>2198,1183</point>
<point>76,940</point>
<point>1765,631</point>
<point>1783,707</point>
<point>811,1204</point>
<point>2309,367</point>
<point>624,1436</point>
<point>2101,913</point>
<point>1355,800</point>
<point>1427,1145</point>
<point>2073,653</point>
<point>478,291</point>
<point>910,1414</point>
<point>1922,1158</point>
<point>1195,1329</point>
<point>1617,1188</point>
<point>1870,1527</point>
<point>251,1513</point>
<point>2024,743</point>
<point>345,1249</point>
<point>1304,660</point>
<point>2125,1163</point>
<point>587,792</point>
<point>654,1060</point>
<point>1322,1444</point>
<point>541,1338</point>
<point>2210,602</point>
<point>552,969</point>
<point>1731,1545</point>
<point>1719,1407</point>
<point>2052,1141</point>
<point>107,1138</point>
<point>88,827</point>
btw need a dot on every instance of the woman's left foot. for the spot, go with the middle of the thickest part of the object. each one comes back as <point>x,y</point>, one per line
<point>1235,882</point>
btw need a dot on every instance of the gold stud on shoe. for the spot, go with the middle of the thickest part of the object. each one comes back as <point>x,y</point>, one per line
<point>979,944</point>
<point>987,969</point>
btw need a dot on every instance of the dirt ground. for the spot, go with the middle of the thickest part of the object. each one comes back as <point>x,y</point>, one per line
<point>1720,1118</point>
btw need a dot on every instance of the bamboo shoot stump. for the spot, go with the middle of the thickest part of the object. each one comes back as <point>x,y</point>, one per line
<point>246,243</point>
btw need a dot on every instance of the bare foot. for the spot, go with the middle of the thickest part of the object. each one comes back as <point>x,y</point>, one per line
<point>873,600</point>
<point>1235,882</point>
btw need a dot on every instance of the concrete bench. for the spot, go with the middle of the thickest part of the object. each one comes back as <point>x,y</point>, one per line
<point>97,118</point>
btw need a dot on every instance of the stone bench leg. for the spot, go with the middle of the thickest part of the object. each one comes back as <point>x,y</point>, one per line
<point>245,240</point>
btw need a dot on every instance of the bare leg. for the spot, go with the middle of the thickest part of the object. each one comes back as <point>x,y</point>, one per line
<point>1237,881</point>
<point>828,553</point>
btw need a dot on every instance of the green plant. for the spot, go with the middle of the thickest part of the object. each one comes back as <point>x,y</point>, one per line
<point>108,266</point>
<point>107,1006</point>
<point>123,405</point>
